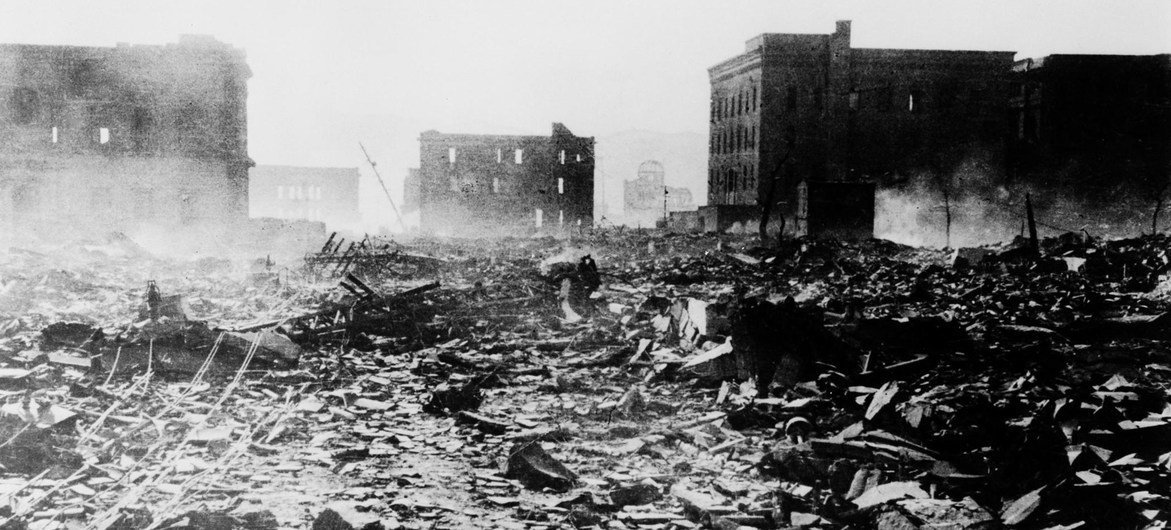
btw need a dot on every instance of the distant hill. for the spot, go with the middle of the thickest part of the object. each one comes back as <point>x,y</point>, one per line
<point>618,155</point>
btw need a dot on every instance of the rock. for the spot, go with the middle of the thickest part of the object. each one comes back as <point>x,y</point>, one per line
<point>536,469</point>
<point>330,519</point>
<point>889,492</point>
<point>936,514</point>
<point>483,423</point>
<point>635,494</point>
<point>451,398</point>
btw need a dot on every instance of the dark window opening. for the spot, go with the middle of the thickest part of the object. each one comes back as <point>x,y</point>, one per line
<point>882,98</point>
<point>817,99</point>
<point>141,122</point>
<point>791,98</point>
<point>82,77</point>
<point>23,104</point>
<point>947,94</point>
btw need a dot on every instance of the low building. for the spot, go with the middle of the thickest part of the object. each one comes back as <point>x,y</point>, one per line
<point>120,138</point>
<point>325,194</point>
<point>497,185</point>
<point>684,221</point>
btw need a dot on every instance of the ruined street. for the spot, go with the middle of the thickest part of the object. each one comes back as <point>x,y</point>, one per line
<point>667,381</point>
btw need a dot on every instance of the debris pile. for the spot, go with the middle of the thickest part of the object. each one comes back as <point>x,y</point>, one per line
<point>615,381</point>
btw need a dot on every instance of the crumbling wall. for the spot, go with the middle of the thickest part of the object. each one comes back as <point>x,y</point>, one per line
<point>100,139</point>
<point>486,185</point>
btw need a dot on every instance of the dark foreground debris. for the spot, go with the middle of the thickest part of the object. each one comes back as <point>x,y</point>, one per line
<point>613,382</point>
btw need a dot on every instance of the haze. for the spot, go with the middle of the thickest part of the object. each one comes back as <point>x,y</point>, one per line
<point>327,75</point>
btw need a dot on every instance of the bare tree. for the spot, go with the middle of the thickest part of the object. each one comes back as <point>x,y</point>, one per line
<point>770,198</point>
<point>1159,195</point>
<point>943,180</point>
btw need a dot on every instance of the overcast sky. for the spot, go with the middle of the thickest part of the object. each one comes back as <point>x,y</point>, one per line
<point>327,74</point>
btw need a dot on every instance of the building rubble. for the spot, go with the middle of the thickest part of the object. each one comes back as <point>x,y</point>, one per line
<point>620,380</point>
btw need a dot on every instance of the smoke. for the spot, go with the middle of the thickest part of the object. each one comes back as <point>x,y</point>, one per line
<point>983,211</point>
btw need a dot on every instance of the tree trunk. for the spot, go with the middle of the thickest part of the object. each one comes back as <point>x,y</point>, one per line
<point>947,216</point>
<point>1155,215</point>
<point>766,206</point>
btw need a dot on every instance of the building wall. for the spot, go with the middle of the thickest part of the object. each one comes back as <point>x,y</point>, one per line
<point>475,184</point>
<point>796,108</point>
<point>1097,123</point>
<point>91,133</point>
<point>324,194</point>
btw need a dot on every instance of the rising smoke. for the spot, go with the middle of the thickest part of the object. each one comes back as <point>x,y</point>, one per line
<point>985,211</point>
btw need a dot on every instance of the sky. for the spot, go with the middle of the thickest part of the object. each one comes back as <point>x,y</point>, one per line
<point>330,74</point>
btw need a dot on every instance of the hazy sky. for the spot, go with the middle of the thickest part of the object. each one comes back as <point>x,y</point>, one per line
<point>327,74</point>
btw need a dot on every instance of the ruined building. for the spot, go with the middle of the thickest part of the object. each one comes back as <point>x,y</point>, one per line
<point>325,194</point>
<point>115,138</point>
<point>647,199</point>
<point>1100,124</point>
<point>811,108</point>
<point>472,185</point>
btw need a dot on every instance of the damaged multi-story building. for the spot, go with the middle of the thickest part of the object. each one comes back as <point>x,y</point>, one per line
<point>647,200</point>
<point>825,120</point>
<point>1098,124</point>
<point>325,194</point>
<point>114,138</point>
<point>486,185</point>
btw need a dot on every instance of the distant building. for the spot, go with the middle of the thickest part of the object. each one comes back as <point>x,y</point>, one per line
<point>810,108</point>
<point>646,199</point>
<point>1100,124</point>
<point>411,190</point>
<point>114,138</point>
<point>485,185</point>
<point>326,194</point>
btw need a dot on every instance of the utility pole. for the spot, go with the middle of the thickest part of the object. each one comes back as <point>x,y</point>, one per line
<point>665,193</point>
<point>374,167</point>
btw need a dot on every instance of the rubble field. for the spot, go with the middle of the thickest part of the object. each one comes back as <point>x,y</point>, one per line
<point>622,379</point>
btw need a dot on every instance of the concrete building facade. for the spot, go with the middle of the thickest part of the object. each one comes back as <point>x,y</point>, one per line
<point>486,185</point>
<point>326,194</point>
<point>809,107</point>
<point>113,138</point>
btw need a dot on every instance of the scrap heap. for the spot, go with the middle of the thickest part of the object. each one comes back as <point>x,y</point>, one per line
<point>624,380</point>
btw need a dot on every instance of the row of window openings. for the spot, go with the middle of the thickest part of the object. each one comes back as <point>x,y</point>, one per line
<point>730,141</point>
<point>737,105</point>
<point>496,185</point>
<point>518,156</point>
<point>299,193</point>
<point>730,181</point>
<point>103,135</point>
<point>539,216</point>
<point>734,106</point>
